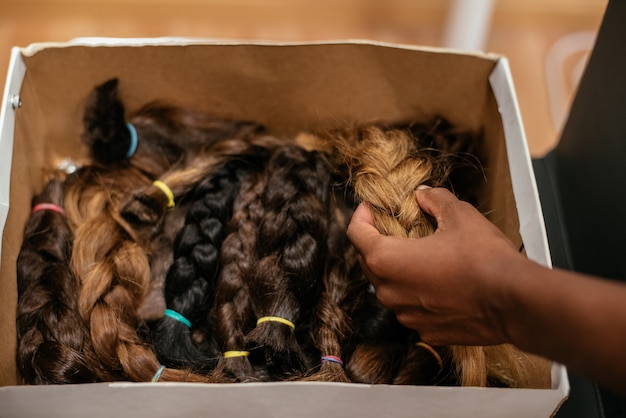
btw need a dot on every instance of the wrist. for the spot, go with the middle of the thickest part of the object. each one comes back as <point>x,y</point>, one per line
<point>512,277</point>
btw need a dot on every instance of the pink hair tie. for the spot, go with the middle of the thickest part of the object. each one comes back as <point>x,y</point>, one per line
<point>48,206</point>
<point>332,359</point>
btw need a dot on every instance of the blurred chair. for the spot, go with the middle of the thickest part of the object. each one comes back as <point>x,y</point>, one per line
<point>562,79</point>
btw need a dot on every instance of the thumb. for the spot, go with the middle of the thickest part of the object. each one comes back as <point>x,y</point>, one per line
<point>437,202</point>
<point>361,228</point>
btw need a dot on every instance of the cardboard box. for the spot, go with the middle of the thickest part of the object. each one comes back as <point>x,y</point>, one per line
<point>289,88</point>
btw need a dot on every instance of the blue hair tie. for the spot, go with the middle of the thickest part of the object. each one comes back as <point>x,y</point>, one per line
<point>133,140</point>
<point>175,315</point>
<point>158,374</point>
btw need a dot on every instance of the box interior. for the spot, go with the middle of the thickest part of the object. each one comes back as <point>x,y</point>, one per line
<point>288,88</point>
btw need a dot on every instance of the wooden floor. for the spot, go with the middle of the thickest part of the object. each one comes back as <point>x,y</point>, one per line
<point>546,41</point>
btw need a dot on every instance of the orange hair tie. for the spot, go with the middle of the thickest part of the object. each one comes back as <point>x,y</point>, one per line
<point>432,351</point>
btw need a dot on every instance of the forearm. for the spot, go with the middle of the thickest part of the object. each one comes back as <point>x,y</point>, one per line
<point>576,320</point>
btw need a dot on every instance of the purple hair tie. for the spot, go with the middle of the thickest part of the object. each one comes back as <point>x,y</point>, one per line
<point>332,359</point>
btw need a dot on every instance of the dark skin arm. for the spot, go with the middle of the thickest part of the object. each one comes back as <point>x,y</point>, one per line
<point>468,285</point>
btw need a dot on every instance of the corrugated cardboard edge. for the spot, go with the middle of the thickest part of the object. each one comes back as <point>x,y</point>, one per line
<point>183,41</point>
<point>532,227</point>
<point>280,399</point>
<point>16,72</point>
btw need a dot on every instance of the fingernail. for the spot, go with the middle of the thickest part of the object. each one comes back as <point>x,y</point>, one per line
<point>423,187</point>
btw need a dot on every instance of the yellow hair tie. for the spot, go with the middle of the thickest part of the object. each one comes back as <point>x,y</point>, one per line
<point>276,319</point>
<point>231,354</point>
<point>167,191</point>
<point>432,351</point>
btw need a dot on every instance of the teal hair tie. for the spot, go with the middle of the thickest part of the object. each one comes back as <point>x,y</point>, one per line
<point>175,315</point>
<point>133,140</point>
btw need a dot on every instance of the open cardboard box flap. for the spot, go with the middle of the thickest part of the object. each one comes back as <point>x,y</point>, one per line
<point>290,88</point>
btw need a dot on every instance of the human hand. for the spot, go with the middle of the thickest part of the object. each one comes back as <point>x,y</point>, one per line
<point>451,286</point>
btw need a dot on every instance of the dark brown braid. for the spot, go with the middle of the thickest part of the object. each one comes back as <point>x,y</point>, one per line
<point>232,314</point>
<point>53,343</point>
<point>343,288</point>
<point>286,279</point>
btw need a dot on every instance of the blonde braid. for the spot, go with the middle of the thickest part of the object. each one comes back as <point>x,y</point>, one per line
<point>385,168</point>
